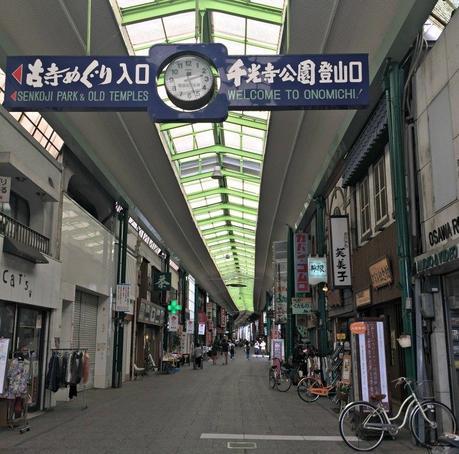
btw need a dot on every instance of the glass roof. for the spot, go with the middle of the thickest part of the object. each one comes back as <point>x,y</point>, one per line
<point>225,209</point>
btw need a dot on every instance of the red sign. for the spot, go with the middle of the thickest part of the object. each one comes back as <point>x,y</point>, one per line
<point>301,263</point>
<point>358,328</point>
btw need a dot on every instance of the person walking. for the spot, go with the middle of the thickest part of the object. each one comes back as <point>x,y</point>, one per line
<point>225,349</point>
<point>263,347</point>
<point>197,356</point>
<point>247,349</point>
<point>257,348</point>
<point>231,348</point>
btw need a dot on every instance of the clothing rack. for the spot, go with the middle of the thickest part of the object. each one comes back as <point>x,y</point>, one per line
<point>21,401</point>
<point>82,390</point>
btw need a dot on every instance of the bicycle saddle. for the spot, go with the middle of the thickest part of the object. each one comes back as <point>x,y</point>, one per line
<point>378,397</point>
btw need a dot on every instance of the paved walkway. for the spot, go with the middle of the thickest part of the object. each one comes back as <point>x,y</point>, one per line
<point>164,414</point>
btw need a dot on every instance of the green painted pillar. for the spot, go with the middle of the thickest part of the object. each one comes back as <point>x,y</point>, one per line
<point>394,95</point>
<point>320,238</point>
<point>290,294</point>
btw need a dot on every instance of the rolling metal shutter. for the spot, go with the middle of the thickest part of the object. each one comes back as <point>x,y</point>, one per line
<point>85,327</point>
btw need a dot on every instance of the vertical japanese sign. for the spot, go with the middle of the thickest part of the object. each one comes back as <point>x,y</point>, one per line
<point>202,329</point>
<point>372,361</point>
<point>340,251</point>
<point>190,326</point>
<point>280,281</point>
<point>301,263</point>
<point>123,298</point>
<point>5,186</point>
<point>173,323</point>
<point>317,270</point>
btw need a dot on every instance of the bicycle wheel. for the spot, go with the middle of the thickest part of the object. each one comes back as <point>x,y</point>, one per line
<point>283,381</point>
<point>304,389</point>
<point>440,420</point>
<point>272,378</point>
<point>361,426</point>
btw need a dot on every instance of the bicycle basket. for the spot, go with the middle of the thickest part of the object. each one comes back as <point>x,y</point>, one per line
<point>424,389</point>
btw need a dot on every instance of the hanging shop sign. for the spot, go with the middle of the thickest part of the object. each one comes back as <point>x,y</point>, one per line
<point>173,307</point>
<point>358,328</point>
<point>277,349</point>
<point>161,281</point>
<point>173,323</point>
<point>189,71</point>
<point>301,323</point>
<point>340,251</point>
<point>4,345</point>
<point>150,313</point>
<point>123,298</point>
<point>190,326</point>
<point>346,370</point>
<point>363,297</point>
<point>301,306</point>
<point>5,187</point>
<point>380,273</point>
<point>301,263</point>
<point>372,361</point>
<point>317,270</point>
<point>202,329</point>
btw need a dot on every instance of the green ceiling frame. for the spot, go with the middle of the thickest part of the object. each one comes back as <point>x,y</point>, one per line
<point>218,191</point>
<point>224,228</point>
<point>236,240</point>
<point>161,8</point>
<point>225,172</point>
<point>225,206</point>
<point>226,217</point>
<point>217,149</point>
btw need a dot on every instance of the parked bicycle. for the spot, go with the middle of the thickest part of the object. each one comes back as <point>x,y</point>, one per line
<point>362,425</point>
<point>279,376</point>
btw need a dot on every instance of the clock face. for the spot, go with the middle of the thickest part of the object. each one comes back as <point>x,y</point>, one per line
<point>189,82</point>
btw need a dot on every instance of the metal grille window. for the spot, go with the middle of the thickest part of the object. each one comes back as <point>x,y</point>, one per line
<point>365,222</point>
<point>380,188</point>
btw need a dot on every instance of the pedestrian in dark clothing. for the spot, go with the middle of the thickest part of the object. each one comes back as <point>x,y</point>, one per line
<point>225,348</point>
<point>232,350</point>
<point>247,350</point>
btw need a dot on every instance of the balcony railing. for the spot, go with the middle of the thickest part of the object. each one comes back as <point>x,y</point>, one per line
<point>20,232</point>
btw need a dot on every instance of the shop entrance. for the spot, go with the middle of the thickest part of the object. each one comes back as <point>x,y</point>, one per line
<point>25,326</point>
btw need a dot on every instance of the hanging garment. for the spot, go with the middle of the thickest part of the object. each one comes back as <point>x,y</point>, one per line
<point>86,367</point>
<point>72,391</point>
<point>64,368</point>
<point>68,374</point>
<point>54,373</point>
<point>79,367</point>
<point>18,378</point>
<point>76,368</point>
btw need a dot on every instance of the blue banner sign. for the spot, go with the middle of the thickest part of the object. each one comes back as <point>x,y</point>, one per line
<point>279,82</point>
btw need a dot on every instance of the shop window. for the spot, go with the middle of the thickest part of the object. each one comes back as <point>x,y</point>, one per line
<point>18,209</point>
<point>380,192</point>
<point>364,195</point>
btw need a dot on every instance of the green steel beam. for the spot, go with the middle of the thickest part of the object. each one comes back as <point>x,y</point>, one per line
<point>246,41</point>
<point>217,191</point>
<point>225,172</point>
<point>225,228</point>
<point>241,120</point>
<point>227,217</point>
<point>160,8</point>
<point>217,149</point>
<point>225,206</point>
<point>214,241</point>
<point>223,246</point>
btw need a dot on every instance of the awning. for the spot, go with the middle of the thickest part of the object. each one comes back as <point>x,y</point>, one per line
<point>22,250</point>
<point>368,147</point>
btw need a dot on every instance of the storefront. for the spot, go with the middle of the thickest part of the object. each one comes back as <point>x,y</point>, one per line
<point>438,273</point>
<point>150,321</point>
<point>25,326</point>
<point>375,277</point>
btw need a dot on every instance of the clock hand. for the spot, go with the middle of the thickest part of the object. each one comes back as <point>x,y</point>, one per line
<point>191,85</point>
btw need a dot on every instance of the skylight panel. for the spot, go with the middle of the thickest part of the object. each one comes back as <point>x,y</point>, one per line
<point>126,3</point>
<point>205,139</point>
<point>263,32</point>
<point>253,144</point>
<point>235,200</point>
<point>234,183</point>
<point>234,48</point>
<point>253,132</point>
<point>232,139</point>
<point>184,143</point>
<point>209,183</point>
<point>274,3</point>
<point>257,50</point>
<point>197,127</point>
<point>150,31</point>
<point>228,24</point>
<point>192,188</point>
<point>231,127</point>
<point>250,203</point>
<point>179,24</point>
<point>181,131</point>
<point>253,188</point>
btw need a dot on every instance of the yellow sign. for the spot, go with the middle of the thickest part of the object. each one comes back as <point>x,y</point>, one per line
<point>380,273</point>
<point>363,297</point>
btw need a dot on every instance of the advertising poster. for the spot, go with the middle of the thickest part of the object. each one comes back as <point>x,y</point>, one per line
<point>372,359</point>
<point>202,329</point>
<point>4,344</point>
<point>277,349</point>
